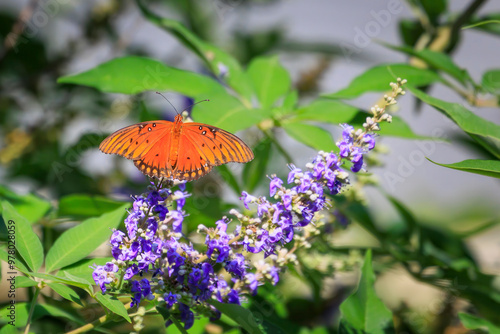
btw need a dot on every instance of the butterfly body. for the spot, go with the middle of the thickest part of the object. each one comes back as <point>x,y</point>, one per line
<point>178,150</point>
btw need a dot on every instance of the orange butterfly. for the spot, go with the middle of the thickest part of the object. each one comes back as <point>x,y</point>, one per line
<point>183,151</point>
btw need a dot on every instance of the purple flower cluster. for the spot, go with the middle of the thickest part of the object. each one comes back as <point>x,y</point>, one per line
<point>151,260</point>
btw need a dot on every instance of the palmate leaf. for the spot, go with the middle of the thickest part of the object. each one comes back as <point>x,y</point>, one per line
<point>27,243</point>
<point>132,75</point>
<point>79,241</point>
<point>363,311</point>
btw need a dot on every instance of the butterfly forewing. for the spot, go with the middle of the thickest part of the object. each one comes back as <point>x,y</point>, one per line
<point>217,146</point>
<point>135,141</point>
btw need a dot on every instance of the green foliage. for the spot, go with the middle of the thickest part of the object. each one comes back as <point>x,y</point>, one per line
<point>482,167</point>
<point>79,241</point>
<point>363,311</point>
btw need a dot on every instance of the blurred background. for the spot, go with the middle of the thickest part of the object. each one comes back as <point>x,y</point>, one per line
<point>324,44</point>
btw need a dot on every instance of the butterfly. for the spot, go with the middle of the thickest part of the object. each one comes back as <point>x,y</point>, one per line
<point>177,150</point>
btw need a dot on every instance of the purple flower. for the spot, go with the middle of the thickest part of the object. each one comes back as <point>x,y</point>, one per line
<point>102,275</point>
<point>162,211</point>
<point>170,299</point>
<point>236,265</point>
<point>287,200</point>
<point>187,316</point>
<point>369,139</point>
<point>293,173</point>
<point>233,297</point>
<point>247,199</point>
<point>275,184</point>
<point>181,198</point>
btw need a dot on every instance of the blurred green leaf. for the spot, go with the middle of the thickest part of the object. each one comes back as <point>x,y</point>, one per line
<point>229,178</point>
<point>337,112</point>
<point>227,112</point>
<point>434,8</point>
<point>25,282</point>
<point>113,304</point>
<point>81,240</point>
<point>363,311</point>
<point>487,23</point>
<point>410,30</point>
<point>27,242</point>
<point>240,315</point>
<point>377,79</point>
<point>438,60</point>
<point>270,79</point>
<point>40,311</point>
<point>254,170</point>
<point>482,167</point>
<point>132,75</point>
<point>219,62</point>
<point>85,206</point>
<point>82,268</point>
<point>290,100</point>
<point>473,322</point>
<point>9,330</point>
<point>491,81</point>
<point>65,292</point>
<point>29,206</point>
<point>484,132</point>
<point>310,135</point>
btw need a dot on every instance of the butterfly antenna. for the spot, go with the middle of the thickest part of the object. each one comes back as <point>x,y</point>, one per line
<point>168,102</point>
<point>197,103</point>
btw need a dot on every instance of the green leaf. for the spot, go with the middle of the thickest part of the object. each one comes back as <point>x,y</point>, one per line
<point>337,112</point>
<point>81,240</point>
<point>14,259</point>
<point>85,206</point>
<point>377,79</point>
<point>66,279</point>
<point>434,8</point>
<point>113,304</point>
<point>491,81</point>
<point>219,62</point>
<point>290,100</point>
<point>229,178</point>
<point>27,243</point>
<point>437,60</point>
<point>472,322</point>
<point>240,315</point>
<point>310,135</point>
<point>132,75</point>
<point>270,79</point>
<point>363,311</point>
<point>65,292</point>
<point>40,311</point>
<point>226,112</point>
<point>253,171</point>
<point>489,23</point>
<point>484,132</point>
<point>482,167</point>
<point>25,282</point>
<point>9,330</point>
<point>29,206</point>
<point>82,268</point>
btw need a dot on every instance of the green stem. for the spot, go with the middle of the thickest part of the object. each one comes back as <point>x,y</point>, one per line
<point>278,146</point>
<point>105,318</point>
<point>32,308</point>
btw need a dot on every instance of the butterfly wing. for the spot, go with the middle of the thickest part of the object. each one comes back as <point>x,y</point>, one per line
<point>147,143</point>
<point>201,147</point>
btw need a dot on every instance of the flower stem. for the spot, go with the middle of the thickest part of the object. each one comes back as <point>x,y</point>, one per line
<point>32,308</point>
<point>94,324</point>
